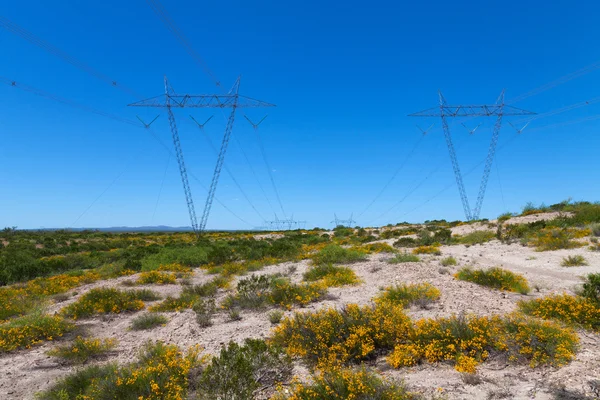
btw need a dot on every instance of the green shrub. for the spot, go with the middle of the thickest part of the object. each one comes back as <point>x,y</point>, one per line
<point>591,288</point>
<point>252,292</point>
<point>107,300</point>
<point>204,309</point>
<point>82,349</point>
<point>405,242</point>
<point>403,258</point>
<point>148,321</point>
<point>405,295</point>
<point>495,278</point>
<point>573,261</point>
<point>275,316</point>
<point>342,384</point>
<point>555,239</point>
<point>188,256</point>
<point>284,293</point>
<point>477,237</point>
<point>595,229</point>
<point>241,372</point>
<point>331,275</point>
<point>335,254</point>
<point>435,250</point>
<point>448,261</point>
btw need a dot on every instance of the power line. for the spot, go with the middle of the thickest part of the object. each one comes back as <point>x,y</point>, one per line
<point>576,74</point>
<point>30,37</point>
<point>212,146</point>
<point>264,156</point>
<point>171,26</point>
<point>393,176</point>
<point>162,182</point>
<point>70,103</point>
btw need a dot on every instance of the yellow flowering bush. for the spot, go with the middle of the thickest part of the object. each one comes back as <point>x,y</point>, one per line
<point>284,293</point>
<point>30,330</point>
<point>435,250</point>
<point>161,373</point>
<point>495,278</point>
<point>330,336</point>
<point>467,342</point>
<point>558,238</point>
<point>82,349</point>
<point>343,384</point>
<point>573,310</point>
<point>156,277</point>
<point>107,300</point>
<point>332,275</point>
<point>174,267</point>
<point>405,295</point>
<point>380,247</point>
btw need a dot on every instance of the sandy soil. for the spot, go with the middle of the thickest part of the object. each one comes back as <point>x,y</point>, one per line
<point>25,372</point>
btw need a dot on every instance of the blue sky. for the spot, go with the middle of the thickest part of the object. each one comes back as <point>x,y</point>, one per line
<point>343,76</point>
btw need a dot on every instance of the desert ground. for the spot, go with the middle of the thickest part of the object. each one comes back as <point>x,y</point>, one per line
<point>24,372</point>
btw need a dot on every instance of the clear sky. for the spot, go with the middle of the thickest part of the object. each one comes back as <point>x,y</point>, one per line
<point>344,76</point>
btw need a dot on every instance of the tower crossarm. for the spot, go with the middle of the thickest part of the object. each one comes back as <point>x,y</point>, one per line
<point>201,101</point>
<point>483,110</point>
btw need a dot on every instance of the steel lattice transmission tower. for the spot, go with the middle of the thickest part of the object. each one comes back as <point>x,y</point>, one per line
<point>498,110</point>
<point>343,222</point>
<point>172,100</point>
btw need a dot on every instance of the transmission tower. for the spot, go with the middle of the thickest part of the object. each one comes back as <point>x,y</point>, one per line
<point>171,100</point>
<point>498,110</point>
<point>343,222</point>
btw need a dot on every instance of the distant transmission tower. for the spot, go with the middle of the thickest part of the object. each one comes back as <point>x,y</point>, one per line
<point>343,222</point>
<point>171,100</point>
<point>284,224</point>
<point>497,110</point>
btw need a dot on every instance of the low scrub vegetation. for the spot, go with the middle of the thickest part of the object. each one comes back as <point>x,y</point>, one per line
<point>572,310</point>
<point>82,350</point>
<point>329,336</point>
<point>495,278</point>
<point>404,295</point>
<point>331,275</point>
<point>404,258</point>
<point>476,237</point>
<point>427,250</point>
<point>258,291</point>
<point>243,371</point>
<point>466,342</point>
<point>573,261</point>
<point>30,330</point>
<point>378,248</point>
<point>190,294</point>
<point>557,238</point>
<point>107,300</point>
<point>161,372</point>
<point>335,254</point>
<point>148,321</point>
<point>156,277</point>
<point>343,383</point>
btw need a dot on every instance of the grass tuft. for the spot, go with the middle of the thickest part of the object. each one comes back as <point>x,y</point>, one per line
<point>573,261</point>
<point>448,261</point>
<point>148,321</point>
<point>331,275</point>
<point>404,258</point>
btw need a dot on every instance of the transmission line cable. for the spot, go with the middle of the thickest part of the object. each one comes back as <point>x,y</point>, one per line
<point>393,176</point>
<point>576,74</point>
<point>212,146</point>
<point>30,37</point>
<point>159,10</point>
<point>162,182</point>
<point>71,103</point>
<point>264,156</point>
